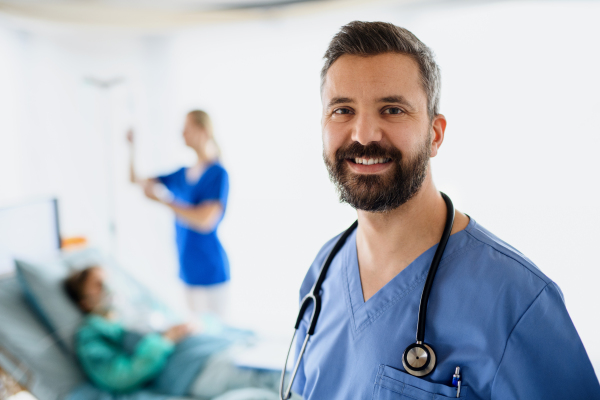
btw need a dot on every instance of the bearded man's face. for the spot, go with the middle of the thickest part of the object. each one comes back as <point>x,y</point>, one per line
<point>377,134</point>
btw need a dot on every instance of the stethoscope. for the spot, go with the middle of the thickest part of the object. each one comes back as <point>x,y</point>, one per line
<point>419,358</point>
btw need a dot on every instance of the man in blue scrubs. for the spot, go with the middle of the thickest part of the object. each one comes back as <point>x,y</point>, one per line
<point>491,311</point>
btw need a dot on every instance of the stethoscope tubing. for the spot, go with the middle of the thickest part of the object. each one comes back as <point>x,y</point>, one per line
<point>288,392</point>
<point>437,257</point>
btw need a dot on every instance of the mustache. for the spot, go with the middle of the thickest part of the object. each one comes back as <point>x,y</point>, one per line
<point>371,150</point>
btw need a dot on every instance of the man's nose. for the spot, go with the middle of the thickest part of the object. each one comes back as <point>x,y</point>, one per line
<point>366,129</point>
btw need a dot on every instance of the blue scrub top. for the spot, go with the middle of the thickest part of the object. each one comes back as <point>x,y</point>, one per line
<point>491,311</point>
<point>202,259</point>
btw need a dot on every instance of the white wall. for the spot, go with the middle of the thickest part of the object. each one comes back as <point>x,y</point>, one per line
<point>520,86</point>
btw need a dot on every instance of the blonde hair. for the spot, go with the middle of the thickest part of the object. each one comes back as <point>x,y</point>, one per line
<point>202,119</point>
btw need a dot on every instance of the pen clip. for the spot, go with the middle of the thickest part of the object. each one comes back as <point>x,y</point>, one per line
<point>456,381</point>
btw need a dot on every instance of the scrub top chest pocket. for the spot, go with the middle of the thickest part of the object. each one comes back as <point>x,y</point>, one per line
<point>393,384</point>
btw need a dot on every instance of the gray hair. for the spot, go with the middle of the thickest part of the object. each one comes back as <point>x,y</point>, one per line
<point>373,38</point>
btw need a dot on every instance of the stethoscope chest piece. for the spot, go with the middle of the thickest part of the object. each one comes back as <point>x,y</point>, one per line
<point>419,359</point>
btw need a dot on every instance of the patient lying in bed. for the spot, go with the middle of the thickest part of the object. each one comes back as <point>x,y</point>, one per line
<point>119,361</point>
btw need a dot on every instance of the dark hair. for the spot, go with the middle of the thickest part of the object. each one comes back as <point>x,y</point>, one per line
<point>373,38</point>
<point>73,285</point>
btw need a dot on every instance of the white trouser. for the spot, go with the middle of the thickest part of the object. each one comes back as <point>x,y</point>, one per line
<point>213,299</point>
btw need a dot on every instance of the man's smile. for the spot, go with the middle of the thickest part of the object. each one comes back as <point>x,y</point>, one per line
<point>368,165</point>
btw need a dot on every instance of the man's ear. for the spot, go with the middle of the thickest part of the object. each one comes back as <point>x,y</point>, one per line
<point>438,128</point>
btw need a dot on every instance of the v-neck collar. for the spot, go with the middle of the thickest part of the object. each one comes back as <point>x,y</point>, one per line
<point>410,278</point>
<point>201,174</point>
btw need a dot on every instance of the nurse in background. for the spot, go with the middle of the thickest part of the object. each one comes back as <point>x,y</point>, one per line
<point>198,196</point>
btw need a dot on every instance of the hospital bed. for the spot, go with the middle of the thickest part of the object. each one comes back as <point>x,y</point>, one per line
<point>37,354</point>
<point>39,357</point>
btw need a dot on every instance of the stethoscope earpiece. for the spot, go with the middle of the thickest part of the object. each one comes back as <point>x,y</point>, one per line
<point>419,359</point>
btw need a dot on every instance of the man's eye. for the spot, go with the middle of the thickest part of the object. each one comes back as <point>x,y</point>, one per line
<point>341,111</point>
<point>393,111</point>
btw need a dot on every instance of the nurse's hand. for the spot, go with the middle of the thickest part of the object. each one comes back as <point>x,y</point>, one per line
<point>179,332</point>
<point>149,190</point>
<point>130,136</point>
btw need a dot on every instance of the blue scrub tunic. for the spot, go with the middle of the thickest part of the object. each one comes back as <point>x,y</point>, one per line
<point>202,259</point>
<point>491,311</point>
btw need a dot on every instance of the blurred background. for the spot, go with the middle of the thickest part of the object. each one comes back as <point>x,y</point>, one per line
<point>520,88</point>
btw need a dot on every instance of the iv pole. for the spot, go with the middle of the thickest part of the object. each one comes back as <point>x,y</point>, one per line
<point>105,86</point>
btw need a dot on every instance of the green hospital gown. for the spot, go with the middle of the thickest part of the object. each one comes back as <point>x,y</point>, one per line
<point>101,352</point>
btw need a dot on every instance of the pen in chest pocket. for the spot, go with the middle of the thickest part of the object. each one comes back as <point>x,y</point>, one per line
<point>456,381</point>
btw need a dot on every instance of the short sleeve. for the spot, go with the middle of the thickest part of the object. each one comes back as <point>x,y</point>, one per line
<point>216,186</point>
<point>544,356</point>
<point>170,180</point>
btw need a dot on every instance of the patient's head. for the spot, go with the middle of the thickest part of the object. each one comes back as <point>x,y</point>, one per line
<point>88,291</point>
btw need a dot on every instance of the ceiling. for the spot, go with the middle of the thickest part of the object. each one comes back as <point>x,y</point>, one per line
<point>164,5</point>
<point>160,13</point>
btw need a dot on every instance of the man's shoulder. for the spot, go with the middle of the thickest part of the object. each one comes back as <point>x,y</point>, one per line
<point>503,262</point>
<point>504,252</point>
